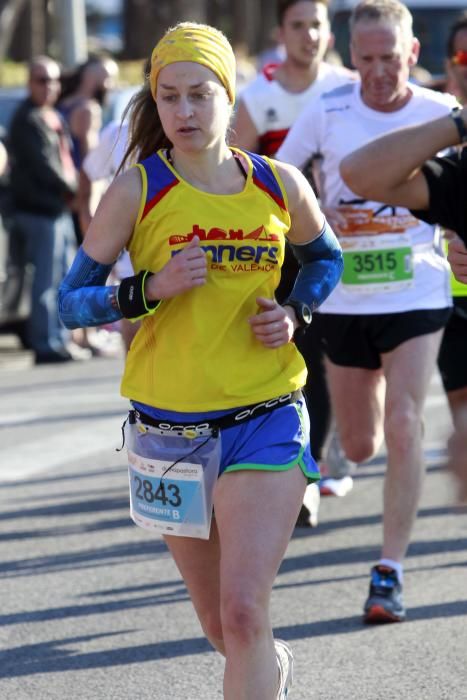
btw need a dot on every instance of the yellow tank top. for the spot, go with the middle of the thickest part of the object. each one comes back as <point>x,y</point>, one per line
<point>197,351</point>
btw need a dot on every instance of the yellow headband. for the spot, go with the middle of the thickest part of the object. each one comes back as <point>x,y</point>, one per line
<point>198,43</point>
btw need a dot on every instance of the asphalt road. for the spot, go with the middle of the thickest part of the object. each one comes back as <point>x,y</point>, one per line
<point>93,608</point>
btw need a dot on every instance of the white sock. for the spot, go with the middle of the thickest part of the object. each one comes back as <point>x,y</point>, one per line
<point>396,565</point>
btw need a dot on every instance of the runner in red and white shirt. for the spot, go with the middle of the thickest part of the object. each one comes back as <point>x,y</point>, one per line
<point>270,104</point>
<point>267,109</point>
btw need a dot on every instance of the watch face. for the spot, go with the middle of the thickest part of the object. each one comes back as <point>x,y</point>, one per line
<point>306,314</point>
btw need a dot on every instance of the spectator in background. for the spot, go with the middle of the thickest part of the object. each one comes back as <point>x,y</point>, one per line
<point>83,97</point>
<point>43,182</point>
<point>99,168</point>
<point>81,104</point>
<point>456,63</point>
<point>100,164</point>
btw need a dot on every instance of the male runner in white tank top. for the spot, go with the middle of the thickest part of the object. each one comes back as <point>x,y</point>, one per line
<point>382,325</point>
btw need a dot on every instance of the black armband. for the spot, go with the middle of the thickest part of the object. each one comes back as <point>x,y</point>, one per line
<point>131,299</point>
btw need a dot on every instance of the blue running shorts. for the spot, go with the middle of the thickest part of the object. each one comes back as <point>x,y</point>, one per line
<point>276,441</point>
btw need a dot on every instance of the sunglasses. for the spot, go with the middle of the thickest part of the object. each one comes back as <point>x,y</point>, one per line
<point>460,58</point>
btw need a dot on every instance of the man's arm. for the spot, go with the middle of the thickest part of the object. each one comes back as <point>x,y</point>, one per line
<point>388,169</point>
<point>302,142</point>
<point>457,258</point>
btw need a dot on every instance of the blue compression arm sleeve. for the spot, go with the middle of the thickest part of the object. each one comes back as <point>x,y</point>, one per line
<point>83,298</point>
<point>321,268</point>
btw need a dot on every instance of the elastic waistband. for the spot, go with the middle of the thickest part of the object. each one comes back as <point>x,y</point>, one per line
<point>228,421</point>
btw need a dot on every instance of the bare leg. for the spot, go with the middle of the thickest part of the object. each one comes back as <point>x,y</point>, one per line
<point>408,369</point>
<point>357,397</point>
<point>457,399</point>
<point>198,562</point>
<point>230,576</point>
<point>256,513</point>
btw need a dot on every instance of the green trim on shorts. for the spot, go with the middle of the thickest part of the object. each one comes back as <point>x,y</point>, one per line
<point>310,476</point>
<point>254,466</point>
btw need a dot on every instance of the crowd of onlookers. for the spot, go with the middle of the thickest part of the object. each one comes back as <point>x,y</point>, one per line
<point>50,133</point>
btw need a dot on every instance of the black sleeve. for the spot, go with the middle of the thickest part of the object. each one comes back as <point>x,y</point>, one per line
<point>447,183</point>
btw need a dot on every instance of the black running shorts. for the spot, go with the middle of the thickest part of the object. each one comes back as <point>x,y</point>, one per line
<point>452,359</point>
<point>359,341</point>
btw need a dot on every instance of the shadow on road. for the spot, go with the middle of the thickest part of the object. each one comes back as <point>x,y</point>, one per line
<point>56,656</point>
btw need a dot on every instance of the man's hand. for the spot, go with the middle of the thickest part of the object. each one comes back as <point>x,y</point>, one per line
<point>273,325</point>
<point>184,271</point>
<point>336,219</point>
<point>457,258</point>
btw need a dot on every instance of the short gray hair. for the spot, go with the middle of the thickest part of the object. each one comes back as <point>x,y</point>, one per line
<point>391,11</point>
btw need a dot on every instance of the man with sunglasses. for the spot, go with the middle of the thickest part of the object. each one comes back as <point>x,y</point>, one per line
<point>43,181</point>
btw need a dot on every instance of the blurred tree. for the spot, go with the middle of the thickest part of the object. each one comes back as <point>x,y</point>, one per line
<point>188,10</point>
<point>10,15</point>
<point>145,21</point>
<point>24,29</point>
<point>26,26</point>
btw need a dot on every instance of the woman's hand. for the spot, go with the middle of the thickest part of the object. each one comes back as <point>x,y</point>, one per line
<point>184,271</point>
<point>273,325</point>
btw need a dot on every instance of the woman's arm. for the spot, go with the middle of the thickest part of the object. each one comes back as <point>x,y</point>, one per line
<point>320,256</point>
<point>84,300</point>
<point>306,217</point>
<point>112,224</point>
<point>313,242</point>
<point>83,297</point>
<point>388,169</point>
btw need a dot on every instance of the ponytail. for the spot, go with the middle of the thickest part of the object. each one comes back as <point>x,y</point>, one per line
<point>146,135</point>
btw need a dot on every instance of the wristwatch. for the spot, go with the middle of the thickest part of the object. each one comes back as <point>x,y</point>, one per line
<point>460,124</point>
<point>303,314</point>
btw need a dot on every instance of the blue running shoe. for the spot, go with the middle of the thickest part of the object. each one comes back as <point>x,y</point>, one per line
<point>384,602</point>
